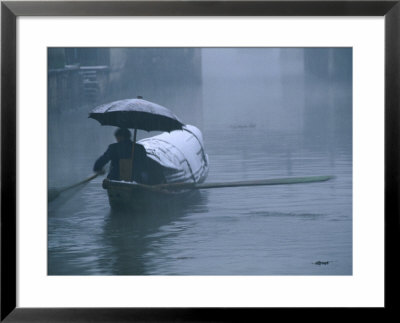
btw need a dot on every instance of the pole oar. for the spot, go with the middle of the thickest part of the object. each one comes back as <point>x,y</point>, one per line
<point>273,181</point>
<point>53,193</point>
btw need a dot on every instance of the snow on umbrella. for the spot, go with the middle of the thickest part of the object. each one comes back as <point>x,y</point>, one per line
<point>136,114</point>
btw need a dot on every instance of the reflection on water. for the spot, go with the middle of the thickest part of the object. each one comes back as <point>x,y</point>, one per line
<point>131,235</point>
<point>271,230</point>
<point>263,118</point>
<point>117,241</point>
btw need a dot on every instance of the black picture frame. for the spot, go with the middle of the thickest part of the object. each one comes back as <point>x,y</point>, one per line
<point>10,10</point>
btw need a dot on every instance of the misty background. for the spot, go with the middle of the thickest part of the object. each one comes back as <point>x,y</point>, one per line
<point>263,112</point>
<point>301,91</point>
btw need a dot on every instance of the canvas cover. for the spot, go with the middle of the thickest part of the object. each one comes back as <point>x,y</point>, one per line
<point>181,154</point>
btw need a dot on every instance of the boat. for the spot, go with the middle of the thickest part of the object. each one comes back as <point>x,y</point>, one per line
<point>179,156</point>
<point>173,163</point>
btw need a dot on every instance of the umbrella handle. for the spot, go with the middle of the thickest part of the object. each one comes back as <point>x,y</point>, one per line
<point>133,149</point>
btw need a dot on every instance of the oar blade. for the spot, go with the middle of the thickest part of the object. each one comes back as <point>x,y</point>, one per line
<point>53,193</point>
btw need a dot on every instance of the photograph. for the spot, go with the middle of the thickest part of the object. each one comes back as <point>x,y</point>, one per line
<point>193,160</point>
<point>200,161</point>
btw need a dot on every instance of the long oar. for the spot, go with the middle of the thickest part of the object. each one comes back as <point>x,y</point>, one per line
<point>53,193</point>
<point>274,181</point>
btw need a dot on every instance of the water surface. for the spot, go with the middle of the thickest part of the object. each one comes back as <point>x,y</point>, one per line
<point>257,122</point>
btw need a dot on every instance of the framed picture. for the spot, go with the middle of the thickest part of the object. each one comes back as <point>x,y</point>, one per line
<point>246,98</point>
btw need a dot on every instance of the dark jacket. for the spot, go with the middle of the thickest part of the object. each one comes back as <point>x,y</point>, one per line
<point>145,170</point>
<point>115,152</point>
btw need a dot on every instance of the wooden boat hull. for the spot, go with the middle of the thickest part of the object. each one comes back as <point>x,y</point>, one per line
<point>134,196</point>
<point>181,157</point>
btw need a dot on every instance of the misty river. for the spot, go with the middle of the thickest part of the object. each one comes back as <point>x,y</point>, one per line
<point>263,114</point>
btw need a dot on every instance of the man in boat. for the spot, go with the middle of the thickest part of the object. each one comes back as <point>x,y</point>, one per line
<point>128,162</point>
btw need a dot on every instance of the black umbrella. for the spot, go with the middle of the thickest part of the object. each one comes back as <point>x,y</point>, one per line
<point>136,114</point>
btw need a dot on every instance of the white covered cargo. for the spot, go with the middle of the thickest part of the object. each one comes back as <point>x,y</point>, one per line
<point>180,153</point>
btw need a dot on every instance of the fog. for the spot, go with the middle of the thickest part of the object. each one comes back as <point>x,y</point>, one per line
<point>263,112</point>
<point>302,91</point>
<point>291,89</point>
